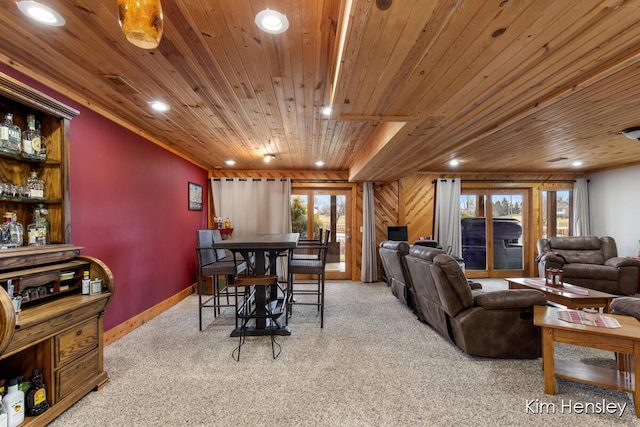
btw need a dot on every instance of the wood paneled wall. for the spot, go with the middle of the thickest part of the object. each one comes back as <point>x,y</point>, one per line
<point>411,201</point>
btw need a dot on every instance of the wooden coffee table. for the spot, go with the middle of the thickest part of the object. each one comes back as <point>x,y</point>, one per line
<point>625,341</point>
<point>567,295</point>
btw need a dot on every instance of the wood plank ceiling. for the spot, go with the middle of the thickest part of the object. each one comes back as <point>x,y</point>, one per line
<point>501,85</point>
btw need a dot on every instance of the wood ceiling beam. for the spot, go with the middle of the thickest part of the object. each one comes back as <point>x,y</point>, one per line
<point>383,135</point>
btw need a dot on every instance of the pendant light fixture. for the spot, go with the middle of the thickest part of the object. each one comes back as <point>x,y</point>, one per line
<point>141,22</point>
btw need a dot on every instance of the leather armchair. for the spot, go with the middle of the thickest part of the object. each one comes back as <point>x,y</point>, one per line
<point>496,324</point>
<point>392,254</point>
<point>590,262</point>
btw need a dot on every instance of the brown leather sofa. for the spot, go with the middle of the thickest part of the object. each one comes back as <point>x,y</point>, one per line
<point>392,254</point>
<point>590,262</point>
<point>497,324</point>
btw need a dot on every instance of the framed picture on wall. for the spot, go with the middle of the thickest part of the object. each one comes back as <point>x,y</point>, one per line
<point>195,197</point>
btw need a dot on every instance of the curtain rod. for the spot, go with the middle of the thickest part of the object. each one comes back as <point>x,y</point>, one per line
<point>507,181</point>
<point>304,181</point>
<point>247,179</point>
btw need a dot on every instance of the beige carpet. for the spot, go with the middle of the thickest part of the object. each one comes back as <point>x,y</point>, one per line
<point>373,364</point>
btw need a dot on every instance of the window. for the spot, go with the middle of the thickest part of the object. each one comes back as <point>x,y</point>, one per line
<point>557,213</point>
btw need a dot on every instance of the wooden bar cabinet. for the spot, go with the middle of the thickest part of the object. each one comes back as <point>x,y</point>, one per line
<point>59,330</point>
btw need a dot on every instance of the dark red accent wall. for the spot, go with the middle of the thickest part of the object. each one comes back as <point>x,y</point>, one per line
<point>129,209</point>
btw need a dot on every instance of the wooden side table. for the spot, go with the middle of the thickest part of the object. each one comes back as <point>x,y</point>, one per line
<point>624,341</point>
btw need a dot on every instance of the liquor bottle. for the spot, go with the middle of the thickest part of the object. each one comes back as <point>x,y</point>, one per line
<point>44,220</point>
<point>5,232</point>
<point>36,396</point>
<point>10,134</point>
<point>14,230</point>
<point>36,231</point>
<point>30,139</point>
<point>36,186</point>
<point>41,230</point>
<point>14,403</point>
<point>43,146</point>
<point>4,133</point>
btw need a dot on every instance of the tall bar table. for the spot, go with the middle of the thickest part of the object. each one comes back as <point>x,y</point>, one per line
<point>262,245</point>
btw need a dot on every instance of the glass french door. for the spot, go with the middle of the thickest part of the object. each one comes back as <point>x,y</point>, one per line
<point>493,222</point>
<point>329,209</point>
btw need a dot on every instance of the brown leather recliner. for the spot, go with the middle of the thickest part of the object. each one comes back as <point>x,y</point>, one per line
<point>392,255</point>
<point>427,301</point>
<point>590,262</point>
<point>496,324</point>
<point>428,306</point>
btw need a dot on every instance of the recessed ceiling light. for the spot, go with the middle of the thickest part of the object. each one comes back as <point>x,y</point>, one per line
<point>230,162</point>
<point>272,22</point>
<point>160,106</point>
<point>576,163</point>
<point>454,162</point>
<point>632,133</point>
<point>319,163</point>
<point>41,13</point>
<point>326,111</point>
<point>269,157</point>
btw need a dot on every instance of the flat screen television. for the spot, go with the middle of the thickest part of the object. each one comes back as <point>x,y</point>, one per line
<point>398,233</point>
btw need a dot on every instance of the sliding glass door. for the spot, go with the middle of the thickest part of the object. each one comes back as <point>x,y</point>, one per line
<point>493,222</point>
<point>329,209</point>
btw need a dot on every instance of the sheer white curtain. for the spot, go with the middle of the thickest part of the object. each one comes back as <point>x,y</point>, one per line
<point>447,215</point>
<point>369,271</point>
<point>581,208</point>
<point>254,205</point>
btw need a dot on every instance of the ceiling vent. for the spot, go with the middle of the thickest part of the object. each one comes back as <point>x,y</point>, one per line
<point>557,159</point>
<point>121,84</point>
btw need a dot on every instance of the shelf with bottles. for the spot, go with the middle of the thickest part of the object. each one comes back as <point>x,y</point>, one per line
<point>33,189</point>
<point>29,200</point>
<point>29,143</point>
<point>44,283</point>
<point>22,157</point>
<point>43,125</point>
<point>36,232</point>
<point>33,145</point>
